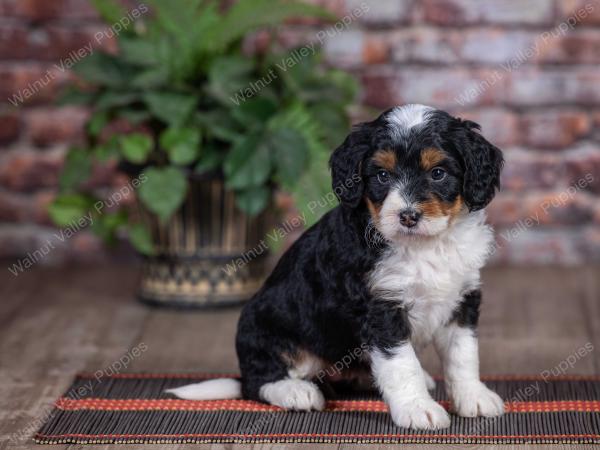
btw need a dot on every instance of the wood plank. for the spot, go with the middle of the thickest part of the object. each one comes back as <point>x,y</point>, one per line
<point>189,341</point>
<point>81,320</point>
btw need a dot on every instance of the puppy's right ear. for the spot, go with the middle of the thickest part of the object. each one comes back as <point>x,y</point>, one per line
<point>346,164</point>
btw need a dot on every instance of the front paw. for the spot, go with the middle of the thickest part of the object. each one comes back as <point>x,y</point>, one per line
<point>475,399</point>
<point>422,413</point>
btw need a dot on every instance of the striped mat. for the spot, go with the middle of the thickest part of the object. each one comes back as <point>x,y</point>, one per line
<point>132,408</point>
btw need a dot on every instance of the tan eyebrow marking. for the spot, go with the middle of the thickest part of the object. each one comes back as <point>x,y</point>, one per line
<point>431,157</point>
<point>386,159</point>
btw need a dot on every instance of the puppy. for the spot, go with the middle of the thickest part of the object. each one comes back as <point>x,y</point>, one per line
<point>394,267</point>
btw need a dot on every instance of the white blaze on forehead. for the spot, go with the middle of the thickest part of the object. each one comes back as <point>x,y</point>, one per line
<point>402,118</point>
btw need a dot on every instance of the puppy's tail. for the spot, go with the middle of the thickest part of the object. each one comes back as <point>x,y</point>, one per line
<point>217,389</point>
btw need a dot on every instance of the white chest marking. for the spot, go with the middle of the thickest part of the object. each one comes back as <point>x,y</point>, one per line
<point>428,276</point>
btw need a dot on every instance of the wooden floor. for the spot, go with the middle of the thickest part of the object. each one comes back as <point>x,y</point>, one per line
<point>59,322</point>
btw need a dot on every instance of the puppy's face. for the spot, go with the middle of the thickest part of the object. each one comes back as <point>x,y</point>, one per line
<point>414,191</point>
<point>420,169</point>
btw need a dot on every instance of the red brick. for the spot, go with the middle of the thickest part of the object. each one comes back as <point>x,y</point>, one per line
<point>36,10</point>
<point>31,83</point>
<point>355,49</point>
<point>47,126</point>
<point>11,207</point>
<point>375,50</point>
<point>346,49</point>
<point>525,170</point>
<point>586,12</point>
<point>565,207</point>
<point>106,174</point>
<point>443,88</point>
<point>597,212</point>
<point>494,46</point>
<point>568,206</point>
<point>378,89</point>
<point>17,241</point>
<point>505,210</point>
<point>39,207</point>
<point>10,126</point>
<point>499,126</point>
<point>461,12</point>
<point>469,87</point>
<point>25,208</point>
<point>590,244</point>
<point>527,246</point>
<point>582,168</point>
<point>534,87</point>
<point>574,47</point>
<point>381,12</point>
<point>28,171</point>
<point>53,42</point>
<point>510,48</point>
<point>555,128</point>
<point>426,45</point>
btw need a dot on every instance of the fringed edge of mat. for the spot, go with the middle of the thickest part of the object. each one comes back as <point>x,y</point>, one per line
<point>217,439</point>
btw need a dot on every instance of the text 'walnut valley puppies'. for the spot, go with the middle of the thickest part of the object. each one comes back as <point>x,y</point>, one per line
<point>391,269</point>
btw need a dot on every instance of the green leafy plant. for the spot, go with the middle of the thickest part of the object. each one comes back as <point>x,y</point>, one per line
<point>188,95</point>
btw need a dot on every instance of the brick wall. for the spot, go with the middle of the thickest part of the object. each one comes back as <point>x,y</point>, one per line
<point>528,72</point>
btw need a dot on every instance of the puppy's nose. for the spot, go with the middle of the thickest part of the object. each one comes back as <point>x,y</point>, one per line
<point>409,217</point>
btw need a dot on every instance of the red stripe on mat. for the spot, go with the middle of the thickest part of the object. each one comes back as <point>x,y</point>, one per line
<point>69,404</point>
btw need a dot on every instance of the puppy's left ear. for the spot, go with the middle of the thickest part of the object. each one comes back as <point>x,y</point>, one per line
<point>483,163</point>
<point>346,166</point>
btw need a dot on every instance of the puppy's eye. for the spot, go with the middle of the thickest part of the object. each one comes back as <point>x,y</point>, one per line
<point>438,174</point>
<point>383,176</point>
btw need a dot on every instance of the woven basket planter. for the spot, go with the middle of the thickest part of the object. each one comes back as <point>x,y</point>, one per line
<point>195,265</point>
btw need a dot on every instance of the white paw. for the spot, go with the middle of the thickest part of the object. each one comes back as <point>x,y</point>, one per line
<point>295,394</point>
<point>475,399</point>
<point>429,381</point>
<point>422,413</point>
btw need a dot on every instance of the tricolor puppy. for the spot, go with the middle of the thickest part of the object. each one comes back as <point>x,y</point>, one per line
<point>391,269</point>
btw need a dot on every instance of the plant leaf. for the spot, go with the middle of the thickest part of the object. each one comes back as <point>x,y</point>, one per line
<point>141,239</point>
<point>227,76</point>
<point>210,159</point>
<point>170,107</point>
<point>255,111</point>
<point>248,164</point>
<point>164,191</point>
<point>253,200</point>
<point>182,144</point>
<point>290,152</point>
<point>136,147</point>
<point>97,122</point>
<point>106,225</point>
<point>138,51</point>
<point>104,70</point>
<point>77,169</point>
<point>245,16</point>
<point>69,208</point>
<point>110,10</point>
<point>108,150</point>
<point>72,95</point>
<point>111,98</point>
<point>219,124</point>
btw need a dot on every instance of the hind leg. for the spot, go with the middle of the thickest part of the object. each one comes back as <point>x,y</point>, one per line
<point>286,381</point>
<point>280,376</point>
<point>293,393</point>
